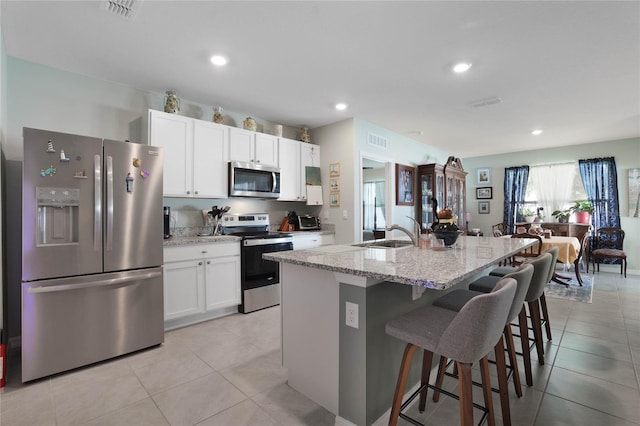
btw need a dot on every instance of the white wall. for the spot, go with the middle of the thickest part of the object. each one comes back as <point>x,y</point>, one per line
<point>627,156</point>
<point>3,113</point>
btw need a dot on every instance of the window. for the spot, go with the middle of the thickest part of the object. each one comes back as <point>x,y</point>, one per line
<point>554,187</point>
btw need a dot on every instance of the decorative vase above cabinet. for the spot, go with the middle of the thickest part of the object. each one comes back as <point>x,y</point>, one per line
<point>446,185</point>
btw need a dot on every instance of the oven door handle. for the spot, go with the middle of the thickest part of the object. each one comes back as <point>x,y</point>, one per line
<point>267,241</point>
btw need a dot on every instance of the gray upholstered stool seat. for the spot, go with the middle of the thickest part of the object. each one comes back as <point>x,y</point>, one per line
<point>505,270</point>
<point>456,299</point>
<point>465,336</point>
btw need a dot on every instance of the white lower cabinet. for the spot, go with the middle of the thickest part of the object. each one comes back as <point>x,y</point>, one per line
<point>200,278</point>
<point>305,241</point>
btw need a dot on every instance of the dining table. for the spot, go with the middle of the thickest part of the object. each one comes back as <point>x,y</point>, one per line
<point>569,250</point>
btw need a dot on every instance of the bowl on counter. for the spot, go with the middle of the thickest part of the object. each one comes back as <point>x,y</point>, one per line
<point>449,237</point>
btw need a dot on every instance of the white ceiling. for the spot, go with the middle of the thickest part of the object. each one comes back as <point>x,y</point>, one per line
<point>570,68</point>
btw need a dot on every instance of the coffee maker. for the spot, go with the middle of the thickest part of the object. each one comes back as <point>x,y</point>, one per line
<point>167,222</point>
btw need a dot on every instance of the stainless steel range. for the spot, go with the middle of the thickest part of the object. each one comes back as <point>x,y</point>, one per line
<point>260,279</point>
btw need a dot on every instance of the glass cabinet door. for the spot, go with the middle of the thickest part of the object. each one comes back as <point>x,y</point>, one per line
<point>426,192</point>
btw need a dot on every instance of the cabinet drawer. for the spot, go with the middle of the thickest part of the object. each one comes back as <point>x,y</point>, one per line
<point>201,251</point>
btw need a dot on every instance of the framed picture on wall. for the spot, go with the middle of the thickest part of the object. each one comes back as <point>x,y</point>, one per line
<point>483,207</point>
<point>334,184</point>
<point>334,199</point>
<point>334,169</point>
<point>483,176</point>
<point>484,193</point>
<point>404,185</point>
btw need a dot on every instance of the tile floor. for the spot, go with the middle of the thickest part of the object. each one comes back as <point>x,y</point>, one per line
<point>227,372</point>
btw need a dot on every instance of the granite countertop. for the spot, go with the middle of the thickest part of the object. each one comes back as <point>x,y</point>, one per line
<point>408,265</point>
<point>194,239</point>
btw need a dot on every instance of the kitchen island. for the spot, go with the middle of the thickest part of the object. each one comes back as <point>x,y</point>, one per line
<point>351,370</point>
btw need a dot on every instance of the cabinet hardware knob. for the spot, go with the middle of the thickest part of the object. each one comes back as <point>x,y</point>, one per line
<point>196,192</point>
<point>199,263</point>
<point>204,251</point>
<point>188,192</point>
<point>208,262</point>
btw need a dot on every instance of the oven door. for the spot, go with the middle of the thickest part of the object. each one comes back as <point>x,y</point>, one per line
<point>257,272</point>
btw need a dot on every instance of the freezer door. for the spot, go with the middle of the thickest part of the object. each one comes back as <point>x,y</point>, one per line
<point>71,322</point>
<point>133,219</point>
<point>61,205</point>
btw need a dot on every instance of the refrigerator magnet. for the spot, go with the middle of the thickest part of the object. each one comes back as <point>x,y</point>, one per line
<point>144,174</point>
<point>129,183</point>
<point>49,171</point>
<point>50,146</point>
<point>136,162</point>
<point>63,157</point>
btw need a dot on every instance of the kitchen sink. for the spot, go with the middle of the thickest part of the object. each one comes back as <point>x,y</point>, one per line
<point>386,244</point>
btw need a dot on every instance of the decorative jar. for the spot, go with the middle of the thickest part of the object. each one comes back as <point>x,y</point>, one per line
<point>305,136</point>
<point>171,102</point>
<point>217,115</point>
<point>250,124</point>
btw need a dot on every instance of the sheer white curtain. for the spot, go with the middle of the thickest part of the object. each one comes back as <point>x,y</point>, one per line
<point>553,185</point>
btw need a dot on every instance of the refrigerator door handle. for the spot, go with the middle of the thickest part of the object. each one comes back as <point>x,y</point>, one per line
<point>97,203</point>
<point>101,283</point>
<point>109,245</point>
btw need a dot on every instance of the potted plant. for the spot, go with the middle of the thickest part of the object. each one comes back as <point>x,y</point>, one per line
<point>583,210</point>
<point>527,214</point>
<point>562,215</point>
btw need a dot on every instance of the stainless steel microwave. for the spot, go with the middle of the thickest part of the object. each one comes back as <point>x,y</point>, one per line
<point>253,180</point>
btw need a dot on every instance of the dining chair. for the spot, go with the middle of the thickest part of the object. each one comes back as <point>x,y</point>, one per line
<point>529,252</point>
<point>499,229</point>
<point>582,254</point>
<point>466,337</point>
<point>608,244</point>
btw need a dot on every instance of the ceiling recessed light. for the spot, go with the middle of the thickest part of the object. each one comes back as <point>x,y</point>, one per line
<point>461,67</point>
<point>536,132</point>
<point>341,106</point>
<point>218,60</point>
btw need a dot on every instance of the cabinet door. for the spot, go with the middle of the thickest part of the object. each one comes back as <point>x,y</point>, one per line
<point>183,289</point>
<point>289,160</point>
<point>241,145</point>
<point>174,134</point>
<point>210,160</point>
<point>266,149</point>
<point>222,282</point>
<point>309,156</point>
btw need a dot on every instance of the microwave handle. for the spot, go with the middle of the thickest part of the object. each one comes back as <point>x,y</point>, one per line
<point>274,178</point>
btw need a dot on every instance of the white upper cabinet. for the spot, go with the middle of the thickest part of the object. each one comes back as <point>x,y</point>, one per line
<point>294,156</point>
<point>175,134</point>
<point>210,159</point>
<point>289,153</point>
<point>253,147</point>
<point>196,155</point>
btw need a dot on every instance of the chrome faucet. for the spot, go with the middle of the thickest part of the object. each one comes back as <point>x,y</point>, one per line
<point>414,236</point>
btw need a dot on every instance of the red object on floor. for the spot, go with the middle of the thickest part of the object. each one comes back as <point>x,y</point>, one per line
<point>3,364</point>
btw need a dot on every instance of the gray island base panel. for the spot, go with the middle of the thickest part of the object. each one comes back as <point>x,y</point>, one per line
<point>352,371</point>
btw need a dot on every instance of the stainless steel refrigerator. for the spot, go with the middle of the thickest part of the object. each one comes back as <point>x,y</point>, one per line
<point>92,237</point>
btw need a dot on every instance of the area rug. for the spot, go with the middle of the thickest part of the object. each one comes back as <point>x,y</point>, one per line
<point>572,292</point>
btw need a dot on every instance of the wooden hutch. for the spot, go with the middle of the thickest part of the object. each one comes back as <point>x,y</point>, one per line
<point>445,183</point>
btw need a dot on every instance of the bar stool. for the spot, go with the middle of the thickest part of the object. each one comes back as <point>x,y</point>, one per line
<point>541,266</point>
<point>466,337</point>
<point>456,299</point>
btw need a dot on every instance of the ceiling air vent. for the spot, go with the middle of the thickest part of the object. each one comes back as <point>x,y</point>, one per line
<point>485,102</point>
<point>123,8</point>
<point>375,140</point>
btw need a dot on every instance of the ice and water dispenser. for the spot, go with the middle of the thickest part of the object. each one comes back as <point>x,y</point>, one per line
<point>57,217</point>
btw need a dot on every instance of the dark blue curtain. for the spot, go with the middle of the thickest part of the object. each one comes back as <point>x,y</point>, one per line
<point>600,180</point>
<point>515,186</point>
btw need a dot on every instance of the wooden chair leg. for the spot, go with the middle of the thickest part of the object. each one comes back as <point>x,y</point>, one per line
<point>511,351</point>
<point>576,266</point>
<point>503,386</point>
<point>466,394</point>
<point>486,390</point>
<point>427,358</point>
<point>442,367</point>
<point>534,311</point>
<point>545,316</point>
<point>524,342</point>
<point>403,375</point>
